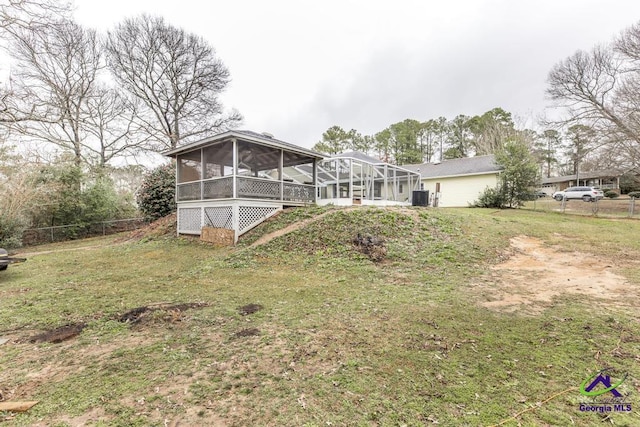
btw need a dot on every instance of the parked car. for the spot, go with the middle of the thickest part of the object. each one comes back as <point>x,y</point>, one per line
<point>5,259</point>
<point>540,194</point>
<point>587,194</point>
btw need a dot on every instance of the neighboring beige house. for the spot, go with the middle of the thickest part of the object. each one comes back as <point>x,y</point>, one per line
<point>457,182</point>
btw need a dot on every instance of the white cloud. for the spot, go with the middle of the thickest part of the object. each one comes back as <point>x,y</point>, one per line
<point>299,67</point>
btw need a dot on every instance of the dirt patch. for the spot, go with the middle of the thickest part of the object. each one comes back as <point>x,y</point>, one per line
<point>534,276</point>
<point>249,309</point>
<point>371,246</point>
<point>173,312</point>
<point>60,334</point>
<point>250,332</point>
<point>165,226</point>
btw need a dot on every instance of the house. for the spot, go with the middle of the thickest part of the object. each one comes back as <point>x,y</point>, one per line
<point>237,179</point>
<point>355,178</point>
<point>457,182</point>
<point>233,181</point>
<point>608,179</point>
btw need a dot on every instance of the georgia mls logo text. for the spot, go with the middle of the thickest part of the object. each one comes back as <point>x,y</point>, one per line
<point>599,385</point>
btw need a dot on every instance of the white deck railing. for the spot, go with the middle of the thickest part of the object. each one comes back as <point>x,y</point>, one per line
<point>246,188</point>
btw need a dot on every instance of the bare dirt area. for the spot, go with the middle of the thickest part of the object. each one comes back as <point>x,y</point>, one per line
<point>535,276</point>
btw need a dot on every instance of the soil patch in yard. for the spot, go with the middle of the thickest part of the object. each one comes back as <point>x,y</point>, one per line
<point>371,246</point>
<point>165,226</point>
<point>249,309</point>
<point>250,332</point>
<point>173,312</point>
<point>60,334</point>
<point>535,275</point>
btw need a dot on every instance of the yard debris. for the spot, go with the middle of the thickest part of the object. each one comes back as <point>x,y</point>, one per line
<point>249,309</point>
<point>58,335</point>
<point>3,340</point>
<point>371,246</point>
<point>17,406</point>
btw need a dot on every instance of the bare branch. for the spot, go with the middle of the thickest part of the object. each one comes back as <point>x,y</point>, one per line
<point>176,75</point>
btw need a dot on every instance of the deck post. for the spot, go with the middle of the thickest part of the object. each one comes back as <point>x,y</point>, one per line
<point>235,168</point>
<point>281,172</point>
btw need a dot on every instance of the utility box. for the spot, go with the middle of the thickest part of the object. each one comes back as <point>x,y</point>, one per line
<point>420,198</point>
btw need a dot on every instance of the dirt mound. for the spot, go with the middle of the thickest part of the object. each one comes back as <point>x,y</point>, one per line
<point>60,334</point>
<point>165,226</point>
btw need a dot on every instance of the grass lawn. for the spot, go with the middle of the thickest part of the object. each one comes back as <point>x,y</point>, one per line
<point>305,330</point>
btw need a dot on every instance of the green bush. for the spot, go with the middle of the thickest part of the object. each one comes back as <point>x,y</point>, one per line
<point>629,182</point>
<point>491,198</point>
<point>157,195</point>
<point>11,230</point>
<point>611,194</point>
<point>634,194</point>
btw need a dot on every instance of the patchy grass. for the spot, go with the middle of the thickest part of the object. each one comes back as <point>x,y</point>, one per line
<point>306,330</point>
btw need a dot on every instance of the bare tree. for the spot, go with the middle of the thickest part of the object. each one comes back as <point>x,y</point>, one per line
<point>601,89</point>
<point>56,69</point>
<point>112,126</point>
<point>175,74</point>
<point>56,94</point>
<point>31,14</point>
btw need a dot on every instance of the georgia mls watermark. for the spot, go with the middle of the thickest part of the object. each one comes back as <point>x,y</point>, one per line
<point>602,389</point>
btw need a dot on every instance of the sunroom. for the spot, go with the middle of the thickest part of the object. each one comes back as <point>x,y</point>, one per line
<point>357,179</point>
<point>237,179</point>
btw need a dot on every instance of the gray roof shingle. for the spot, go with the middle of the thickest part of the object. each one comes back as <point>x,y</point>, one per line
<point>457,167</point>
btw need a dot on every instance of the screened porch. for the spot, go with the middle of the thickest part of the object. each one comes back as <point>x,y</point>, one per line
<point>244,169</point>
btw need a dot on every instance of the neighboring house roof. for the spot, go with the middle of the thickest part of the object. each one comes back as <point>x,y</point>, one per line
<point>478,165</point>
<point>247,135</point>
<point>606,173</point>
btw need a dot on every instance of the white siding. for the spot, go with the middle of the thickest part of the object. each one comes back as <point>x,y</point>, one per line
<point>460,191</point>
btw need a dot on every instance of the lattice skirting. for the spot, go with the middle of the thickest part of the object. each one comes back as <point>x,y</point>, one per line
<point>250,216</point>
<point>219,217</point>
<point>189,220</point>
<point>238,217</point>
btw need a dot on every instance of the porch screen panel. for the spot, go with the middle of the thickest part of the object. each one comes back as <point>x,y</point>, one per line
<point>190,166</point>
<point>218,160</point>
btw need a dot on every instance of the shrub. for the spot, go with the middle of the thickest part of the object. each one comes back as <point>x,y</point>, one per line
<point>611,194</point>
<point>156,197</point>
<point>491,198</point>
<point>629,182</point>
<point>11,230</point>
<point>634,194</point>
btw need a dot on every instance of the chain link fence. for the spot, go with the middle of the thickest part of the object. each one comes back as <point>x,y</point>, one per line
<point>37,236</point>
<point>622,207</point>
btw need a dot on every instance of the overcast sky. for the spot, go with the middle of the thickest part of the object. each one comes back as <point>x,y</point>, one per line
<point>299,67</point>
